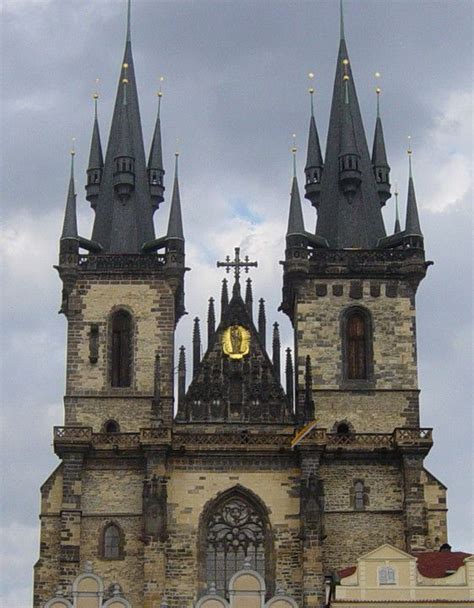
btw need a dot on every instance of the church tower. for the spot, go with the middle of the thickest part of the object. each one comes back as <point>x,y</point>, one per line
<point>246,486</point>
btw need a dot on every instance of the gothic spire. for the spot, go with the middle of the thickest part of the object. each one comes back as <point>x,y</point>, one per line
<point>175,223</point>
<point>155,160</point>
<point>69,232</point>
<point>379,157</point>
<point>96,160</point>
<point>224,297</point>
<point>262,322</point>
<point>211,323</point>
<point>124,209</point>
<point>397,227</point>
<point>181,374</point>
<point>196,346</point>
<point>349,212</point>
<point>289,375</point>
<point>412,224</point>
<point>314,159</point>
<point>295,228</point>
<point>249,297</point>
<point>276,346</point>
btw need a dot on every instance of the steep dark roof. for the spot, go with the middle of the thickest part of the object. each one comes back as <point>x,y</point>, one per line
<point>96,159</point>
<point>70,215</point>
<point>314,157</point>
<point>438,564</point>
<point>175,222</point>
<point>155,160</point>
<point>125,227</point>
<point>379,154</point>
<point>412,225</point>
<point>295,216</point>
<point>358,223</point>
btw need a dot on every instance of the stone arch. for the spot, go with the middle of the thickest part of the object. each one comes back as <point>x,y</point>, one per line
<point>281,601</point>
<point>58,602</point>
<point>247,588</point>
<point>112,525</point>
<point>240,493</point>
<point>88,589</point>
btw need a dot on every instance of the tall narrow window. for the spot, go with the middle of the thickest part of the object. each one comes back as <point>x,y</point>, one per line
<point>235,531</point>
<point>357,347</point>
<point>121,354</point>
<point>112,542</point>
<point>387,575</point>
<point>359,501</point>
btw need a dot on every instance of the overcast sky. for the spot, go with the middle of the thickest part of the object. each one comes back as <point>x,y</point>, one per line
<point>235,91</point>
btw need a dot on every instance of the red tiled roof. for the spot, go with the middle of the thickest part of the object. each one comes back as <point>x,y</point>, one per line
<point>434,564</point>
<point>347,571</point>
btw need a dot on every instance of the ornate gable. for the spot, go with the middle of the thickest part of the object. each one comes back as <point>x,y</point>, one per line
<point>236,380</point>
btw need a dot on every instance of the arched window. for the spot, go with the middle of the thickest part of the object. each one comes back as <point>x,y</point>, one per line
<point>112,542</point>
<point>343,429</point>
<point>359,496</point>
<point>121,355</point>
<point>357,345</point>
<point>111,426</point>
<point>235,530</point>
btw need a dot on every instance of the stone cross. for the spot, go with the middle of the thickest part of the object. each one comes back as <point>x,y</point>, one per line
<point>237,264</point>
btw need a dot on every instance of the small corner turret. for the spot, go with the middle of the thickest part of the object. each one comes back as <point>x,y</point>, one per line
<point>379,156</point>
<point>155,162</point>
<point>96,161</point>
<point>314,160</point>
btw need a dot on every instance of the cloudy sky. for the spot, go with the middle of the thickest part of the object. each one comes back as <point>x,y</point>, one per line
<point>235,91</point>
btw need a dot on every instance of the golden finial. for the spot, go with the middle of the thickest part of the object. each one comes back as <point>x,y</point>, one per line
<point>378,90</point>
<point>73,146</point>
<point>160,94</point>
<point>311,91</point>
<point>95,95</point>
<point>345,63</point>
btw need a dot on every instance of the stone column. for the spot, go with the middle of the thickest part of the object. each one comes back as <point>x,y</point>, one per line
<point>155,533</point>
<point>416,526</point>
<point>71,515</point>
<point>312,528</point>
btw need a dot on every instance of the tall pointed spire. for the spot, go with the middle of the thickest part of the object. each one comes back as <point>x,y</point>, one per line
<point>397,227</point>
<point>412,225</point>
<point>262,322</point>
<point>211,323</point>
<point>349,213</point>
<point>155,160</point>
<point>196,346</point>
<point>129,19</point>
<point>69,235</point>
<point>96,160</point>
<point>341,21</point>
<point>124,209</point>
<point>224,297</point>
<point>249,297</point>
<point>289,375</point>
<point>276,346</point>
<point>295,231</point>
<point>379,156</point>
<point>181,375</point>
<point>314,160</point>
<point>175,223</point>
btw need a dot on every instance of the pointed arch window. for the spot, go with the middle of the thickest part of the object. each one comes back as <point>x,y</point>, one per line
<point>357,344</point>
<point>235,530</point>
<point>121,349</point>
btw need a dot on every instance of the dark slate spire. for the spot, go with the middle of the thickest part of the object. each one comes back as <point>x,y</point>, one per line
<point>349,213</point>
<point>289,375</point>
<point>224,298</point>
<point>96,161</point>
<point>397,227</point>
<point>196,346</point>
<point>314,160</point>
<point>295,231</point>
<point>211,323</point>
<point>262,322</point>
<point>276,346</point>
<point>155,161</point>
<point>175,223</point>
<point>69,235</point>
<point>308,391</point>
<point>181,375</point>
<point>249,297</point>
<point>124,222</point>
<point>412,225</point>
<point>379,158</point>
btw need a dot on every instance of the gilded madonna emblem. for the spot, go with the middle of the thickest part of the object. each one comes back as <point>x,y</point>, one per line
<point>236,342</point>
